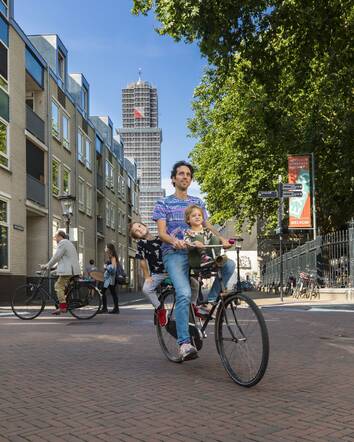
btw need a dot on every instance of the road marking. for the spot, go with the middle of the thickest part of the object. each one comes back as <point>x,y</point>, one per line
<point>329,310</point>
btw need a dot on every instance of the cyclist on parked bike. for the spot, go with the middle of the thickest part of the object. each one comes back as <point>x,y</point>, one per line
<point>68,266</point>
<point>169,215</point>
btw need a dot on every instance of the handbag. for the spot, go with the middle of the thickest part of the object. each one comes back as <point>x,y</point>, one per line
<point>121,276</point>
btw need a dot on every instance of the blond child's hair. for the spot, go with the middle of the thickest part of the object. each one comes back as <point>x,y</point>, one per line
<point>189,210</point>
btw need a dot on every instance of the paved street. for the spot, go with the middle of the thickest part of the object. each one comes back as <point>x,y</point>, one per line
<point>106,380</point>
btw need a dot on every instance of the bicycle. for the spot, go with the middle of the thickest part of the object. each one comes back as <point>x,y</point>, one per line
<point>82,297</point>
<point>239,329</point>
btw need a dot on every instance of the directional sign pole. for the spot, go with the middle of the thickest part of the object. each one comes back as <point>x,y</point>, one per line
<point>280,229</point>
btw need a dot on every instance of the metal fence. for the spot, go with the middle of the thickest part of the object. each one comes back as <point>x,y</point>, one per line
<point>330,258</point>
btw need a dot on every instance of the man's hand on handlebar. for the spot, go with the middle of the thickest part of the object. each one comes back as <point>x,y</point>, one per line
<point>179,244</point>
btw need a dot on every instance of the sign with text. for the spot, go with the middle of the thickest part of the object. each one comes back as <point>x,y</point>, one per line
<point>300,206</point>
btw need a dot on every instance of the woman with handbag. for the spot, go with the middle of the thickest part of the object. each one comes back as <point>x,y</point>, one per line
<point>109,281</point>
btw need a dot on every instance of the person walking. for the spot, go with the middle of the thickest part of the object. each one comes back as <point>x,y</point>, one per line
<point>109,281</point>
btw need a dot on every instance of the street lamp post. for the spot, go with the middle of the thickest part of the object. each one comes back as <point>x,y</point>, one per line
<point>238,248</point>
<point>67,203</point>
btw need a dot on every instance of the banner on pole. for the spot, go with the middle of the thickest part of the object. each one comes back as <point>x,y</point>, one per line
<point>300,208</point>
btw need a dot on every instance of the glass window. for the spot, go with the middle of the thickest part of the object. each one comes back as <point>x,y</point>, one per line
<point>98,145</point>
<point>55,120</point>
<point>4,235</point>
<point>113,218</point>
<point>3,7</point>
<point>4,153</point>
<point>66,187</point>
<point>109,175</point>
<point>34,68</point>
<point>3,65</point>
<point>84,99</point>
<point>4,31</point>
<point>61,65</point>
<point>88,153</point>
<point>81,247</point>
<point>66,130</point>
<point>89,200</point>
<point>4,105</point>
<point>55,177</point>
<point>80,147</point>
<point>81,195</point>
<point>108,213</point>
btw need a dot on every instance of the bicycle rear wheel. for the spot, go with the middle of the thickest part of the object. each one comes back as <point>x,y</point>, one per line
<point>28,301</point>
<point>241,339</point>
<point>167,336</point>
<point>84,300</point>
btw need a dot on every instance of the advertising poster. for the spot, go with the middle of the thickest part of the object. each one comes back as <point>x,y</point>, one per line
<point>300,208</point>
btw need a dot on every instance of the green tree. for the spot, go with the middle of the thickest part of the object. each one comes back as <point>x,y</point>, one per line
<point>280,82</point>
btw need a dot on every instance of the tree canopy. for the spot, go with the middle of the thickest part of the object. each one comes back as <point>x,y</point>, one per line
<point>280,82</point>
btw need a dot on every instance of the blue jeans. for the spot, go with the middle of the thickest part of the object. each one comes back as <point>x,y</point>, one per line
<point>227,270</point>
<point>177,265</point>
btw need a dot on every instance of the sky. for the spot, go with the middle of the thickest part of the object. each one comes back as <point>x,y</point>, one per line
<point>108,45</point>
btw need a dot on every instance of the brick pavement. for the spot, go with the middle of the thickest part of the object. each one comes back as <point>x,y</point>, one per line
<point>106,380</point>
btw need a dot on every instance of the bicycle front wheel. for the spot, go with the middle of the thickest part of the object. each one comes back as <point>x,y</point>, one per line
<point>167,335</point>
<point>84,301</point>
<point>28,301</point>
<point>241,338</point>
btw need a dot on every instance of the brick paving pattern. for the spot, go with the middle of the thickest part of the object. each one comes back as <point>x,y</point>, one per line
<point>107,380</point>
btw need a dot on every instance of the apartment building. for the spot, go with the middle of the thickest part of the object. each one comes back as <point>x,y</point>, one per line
<point>50,147</point>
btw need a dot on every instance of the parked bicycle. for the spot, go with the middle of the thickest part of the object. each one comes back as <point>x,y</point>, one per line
<point>307,286</point>
<point>82,297</point>
<point>241,335</point>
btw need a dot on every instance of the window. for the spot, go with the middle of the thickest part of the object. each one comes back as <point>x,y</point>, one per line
<point>55,121</point>
<point>55,228</point>
<point>84,99</point>
<point>80,147</point>
<point>108,213</point>
<point>119,221</point>
<point>81,247</point>
<point>113,218</point>
<point>4,31</point>
<point>4,235</point>
<point>4,105</point>
<point>66,131</point>
<point>4,144</point>
<point>3,7</point>
<point>55,177</point>
<point>66,186</point>
<point>88,153</point>
<point>124,227</point>
<point>109,175</point>
<point>3,67</point>
<point>81,195</point>
<point>61,66</point>
<point>89,199</point>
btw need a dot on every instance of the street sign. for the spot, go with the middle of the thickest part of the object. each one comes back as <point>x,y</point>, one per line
<point>292,186</point>
<point>290,194</point>
<point>268,194</point>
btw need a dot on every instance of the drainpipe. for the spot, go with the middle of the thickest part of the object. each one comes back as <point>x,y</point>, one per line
<point>49,173</point>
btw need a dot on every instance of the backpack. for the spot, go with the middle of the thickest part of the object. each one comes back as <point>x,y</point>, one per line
<point>121,276</point>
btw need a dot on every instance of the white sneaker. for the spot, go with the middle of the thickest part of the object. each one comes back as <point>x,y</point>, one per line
<point>188,352</point>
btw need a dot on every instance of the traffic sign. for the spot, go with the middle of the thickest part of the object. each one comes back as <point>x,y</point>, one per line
<point>268,194</point>
<point>289,194</point>
<point>292,186</point>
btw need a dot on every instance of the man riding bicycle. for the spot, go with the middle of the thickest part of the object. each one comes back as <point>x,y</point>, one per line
<point>68,266</point>
<point>169,215</point>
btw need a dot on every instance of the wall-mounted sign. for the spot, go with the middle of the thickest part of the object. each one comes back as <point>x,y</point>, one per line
<point>18,227</point>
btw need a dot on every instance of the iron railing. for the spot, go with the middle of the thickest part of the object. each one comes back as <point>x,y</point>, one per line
<point>329,258</point>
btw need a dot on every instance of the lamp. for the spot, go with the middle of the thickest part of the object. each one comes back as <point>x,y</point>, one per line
<point>67,204</point>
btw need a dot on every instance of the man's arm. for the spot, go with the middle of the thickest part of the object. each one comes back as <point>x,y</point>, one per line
<point>215,232</point>
<point>165,237</point>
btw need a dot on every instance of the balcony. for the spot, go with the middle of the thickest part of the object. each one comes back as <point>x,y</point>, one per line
<point>35,124</point>
<point>36,191</point>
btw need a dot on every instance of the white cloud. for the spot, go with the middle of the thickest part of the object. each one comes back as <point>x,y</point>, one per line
<point>193,190</point>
